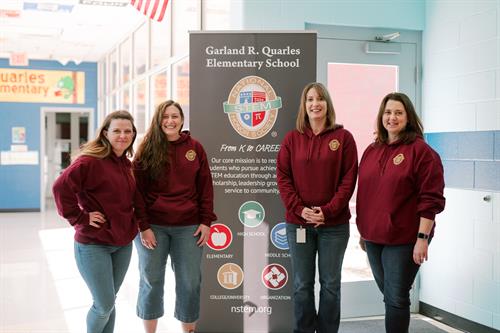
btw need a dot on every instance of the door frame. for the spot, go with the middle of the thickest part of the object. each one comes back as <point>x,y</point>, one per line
<point>43,112</point>
<point>350,290</point>
<point>339,32</point>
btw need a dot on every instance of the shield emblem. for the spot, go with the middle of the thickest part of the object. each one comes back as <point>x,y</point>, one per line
<point>252,119</point>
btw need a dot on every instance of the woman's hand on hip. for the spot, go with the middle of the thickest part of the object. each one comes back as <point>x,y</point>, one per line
<point>96,219</point>
<point>204,232</point>
<point>148,239</point>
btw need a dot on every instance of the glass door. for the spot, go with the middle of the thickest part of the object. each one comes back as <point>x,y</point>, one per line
<point>63,131</point>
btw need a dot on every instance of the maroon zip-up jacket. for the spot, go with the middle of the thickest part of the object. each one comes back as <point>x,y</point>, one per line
<point>317,170</point>
<point>184,194</point>
<point>398,184</point>
<point>106,185</point>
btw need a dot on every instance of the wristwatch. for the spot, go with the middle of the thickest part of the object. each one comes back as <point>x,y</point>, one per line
<point>422,235</point>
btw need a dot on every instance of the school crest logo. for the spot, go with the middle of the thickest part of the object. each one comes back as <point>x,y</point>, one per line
<point>398,159</point>
<point>252,107</point>
<point>190,155</point>
<point>334,144</point>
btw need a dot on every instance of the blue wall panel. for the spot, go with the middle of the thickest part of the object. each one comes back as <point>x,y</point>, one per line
<point>471,160</point>
<point>475,145</point>
<point>20,184</point>
<point>445,144</point>
<point>20,187</point>
<point>487,175</point>
<point>459,174</point>
<point>496,147</point>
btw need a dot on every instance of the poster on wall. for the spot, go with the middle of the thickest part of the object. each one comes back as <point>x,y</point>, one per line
<point>42,86</point>
<point>18,134</point>
<point>244,96</point>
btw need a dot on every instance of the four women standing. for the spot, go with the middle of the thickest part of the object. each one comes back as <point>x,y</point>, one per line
<point>400,192</point>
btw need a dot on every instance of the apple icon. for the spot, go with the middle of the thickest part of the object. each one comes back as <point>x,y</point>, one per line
<point>218,238</point>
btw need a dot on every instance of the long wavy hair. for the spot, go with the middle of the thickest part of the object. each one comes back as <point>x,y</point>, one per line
<point>153,153</point>
<point>414,127</point>
<point>303,119</point>
<point>100,147</point>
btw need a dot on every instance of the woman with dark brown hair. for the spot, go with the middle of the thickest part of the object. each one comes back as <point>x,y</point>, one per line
<point>96,194</point>
<point>174,178</point>
<point>400,191</point>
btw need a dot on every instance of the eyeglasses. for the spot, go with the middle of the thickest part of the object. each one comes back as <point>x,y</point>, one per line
<point>116,131</point>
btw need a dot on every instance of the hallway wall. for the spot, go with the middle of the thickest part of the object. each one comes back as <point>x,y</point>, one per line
<point>292,14</point>
<point>20,184</point>
<point>461,111</point>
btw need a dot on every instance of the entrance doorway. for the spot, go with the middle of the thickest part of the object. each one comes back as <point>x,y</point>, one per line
<point>63,131</point>
<point>360,66</point>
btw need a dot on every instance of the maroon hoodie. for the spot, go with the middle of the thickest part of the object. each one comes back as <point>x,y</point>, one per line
<point>398,184</point>
<point>183,195</point>
<point>317,170</point>
<point>106,185</point>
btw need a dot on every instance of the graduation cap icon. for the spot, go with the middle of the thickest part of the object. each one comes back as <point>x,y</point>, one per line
<point>251,215</point>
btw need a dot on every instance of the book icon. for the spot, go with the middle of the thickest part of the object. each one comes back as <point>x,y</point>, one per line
<point>278,236</point>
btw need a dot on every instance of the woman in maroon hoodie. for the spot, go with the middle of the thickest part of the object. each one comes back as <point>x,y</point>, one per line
<point>174,178</point>
<point>400,191</point>
<point>317,169</point>
<point>96,195</point>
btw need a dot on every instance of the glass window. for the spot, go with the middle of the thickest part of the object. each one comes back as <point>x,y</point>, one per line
<point>141,42</point>
<point>159,88</point>
<point>180,87</point>
<point>101,111</point>
<point>113,70</point>
<point>103,84</point>
<point>345,83</point>
<point>186,16</point>
<point>140,106</point>
<point>160,41</point>
<point>125,50</point>
<point>114,103</point>
<point>126,99</point>
<point>216,14</point>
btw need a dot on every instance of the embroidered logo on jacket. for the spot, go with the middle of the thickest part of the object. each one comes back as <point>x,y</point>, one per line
<point>334,144</point>
<point>398,159</point>
<point>190,155</point>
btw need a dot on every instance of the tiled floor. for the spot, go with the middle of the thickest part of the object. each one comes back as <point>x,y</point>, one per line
<point>41,289</point>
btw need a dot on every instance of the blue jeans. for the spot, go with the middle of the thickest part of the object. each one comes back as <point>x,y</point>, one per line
<point>330,244</point>
<point>103,267</point>
<point>394,271</point>
<point>185,255</point>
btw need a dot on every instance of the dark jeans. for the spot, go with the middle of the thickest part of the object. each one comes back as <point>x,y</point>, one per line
<point>330,244</point>
<point>394,271</point>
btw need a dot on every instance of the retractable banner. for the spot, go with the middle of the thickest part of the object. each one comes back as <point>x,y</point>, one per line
<point>244,96</point>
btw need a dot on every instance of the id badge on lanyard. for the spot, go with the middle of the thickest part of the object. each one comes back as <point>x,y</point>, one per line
<point>301,235</point>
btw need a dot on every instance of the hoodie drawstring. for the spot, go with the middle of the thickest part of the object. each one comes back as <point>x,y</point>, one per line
<point>310,148</point>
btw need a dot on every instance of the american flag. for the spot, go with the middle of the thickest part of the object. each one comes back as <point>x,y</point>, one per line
<point>154,9</point>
